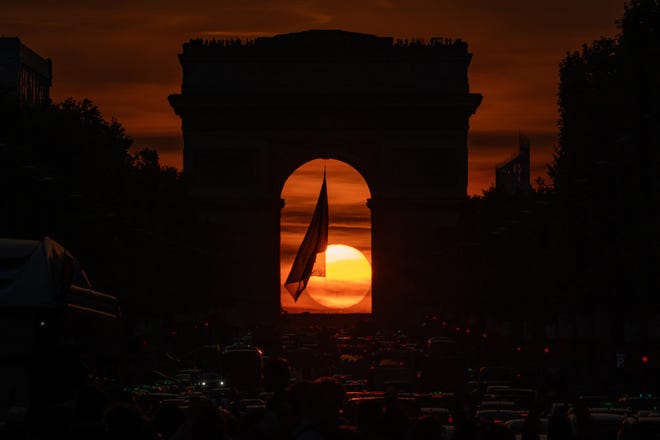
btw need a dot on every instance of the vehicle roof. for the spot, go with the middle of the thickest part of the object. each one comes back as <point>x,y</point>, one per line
<point>240,347</point>
<point>497,411</point>
<point>497,402</point>
<point>649,419</point>
<point>523,420</point>
<point>441,339</point>
<point>607,417</point>
<point>607,410</point>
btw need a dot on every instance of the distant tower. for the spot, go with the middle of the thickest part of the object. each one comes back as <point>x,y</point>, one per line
<point>512,177</point>
<point>25,77</point>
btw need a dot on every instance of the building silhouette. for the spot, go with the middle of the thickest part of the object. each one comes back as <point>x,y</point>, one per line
<point>396,111</point>
<point>512,177</point>
<point>25,76</point>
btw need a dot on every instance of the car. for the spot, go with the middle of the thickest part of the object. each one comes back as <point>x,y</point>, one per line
<point>598,400</point>
<point>641,402</point>
<point>605,426</point>
<point>496,415</point>
<point>640,428</point>
<point>365,411</point>
<point>497,404</point>
<point>253,404</point>
<point>522,397</point>
<point>492,389</point>
<point>394,368</point>
<point>516,426</point>
<point>610,410</point>
<point>441,346</point>
<point>437,400</point>
<point>209,380</point>
<point>242,368</point>
<point>443,415</point>
<point>174,401</point>
<point>187,378</point>
<point>353,362</point>
<point>494,375</point>
<point>355,385</point>
<point>447,432</point>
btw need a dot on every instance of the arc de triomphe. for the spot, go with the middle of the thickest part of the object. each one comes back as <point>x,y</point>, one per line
<point>398,112</point>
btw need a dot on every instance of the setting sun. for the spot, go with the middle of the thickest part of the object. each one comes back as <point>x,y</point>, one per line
<point>347,280</point>
<point>349,224</point>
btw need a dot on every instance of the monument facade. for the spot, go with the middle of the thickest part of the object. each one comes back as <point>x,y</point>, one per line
<point>397,111</point>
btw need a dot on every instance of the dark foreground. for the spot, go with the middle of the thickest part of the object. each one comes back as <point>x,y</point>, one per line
<point>310,382</point>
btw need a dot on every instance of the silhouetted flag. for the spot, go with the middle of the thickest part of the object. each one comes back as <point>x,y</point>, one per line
<point>310,259</point>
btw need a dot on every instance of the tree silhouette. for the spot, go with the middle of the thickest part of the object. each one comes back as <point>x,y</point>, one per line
<point>588,243</point>
<point>608,96</point>
<point>67,172</point>
<point>606,166</point>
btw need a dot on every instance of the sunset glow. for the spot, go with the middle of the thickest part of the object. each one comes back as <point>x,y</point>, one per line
<point>130,49</point>
<point>350,224</point>
<point>347,280</point>
<point>307,219</point>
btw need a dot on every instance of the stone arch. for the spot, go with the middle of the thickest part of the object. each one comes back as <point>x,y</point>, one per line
<point>351,160</point>
<point>347,226</point>
<point>397,112</point>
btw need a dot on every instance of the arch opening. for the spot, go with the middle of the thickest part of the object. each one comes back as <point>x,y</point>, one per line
<point>346,288</point>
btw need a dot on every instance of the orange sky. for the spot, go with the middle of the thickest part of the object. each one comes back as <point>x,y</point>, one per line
<point>123,55</point>
<point>350,221</point>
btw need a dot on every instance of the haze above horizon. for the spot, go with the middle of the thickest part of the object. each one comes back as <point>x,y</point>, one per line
<point>123,56</point>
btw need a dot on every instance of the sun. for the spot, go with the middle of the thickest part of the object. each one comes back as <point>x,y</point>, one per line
<point>347,280</point>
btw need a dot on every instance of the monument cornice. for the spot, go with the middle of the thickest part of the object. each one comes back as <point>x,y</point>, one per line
<point>189,101</point>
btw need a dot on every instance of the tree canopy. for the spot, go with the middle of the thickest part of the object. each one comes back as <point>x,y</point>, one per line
<point>608,101</point>
<point>69,173</point>
<point>606,166</point>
